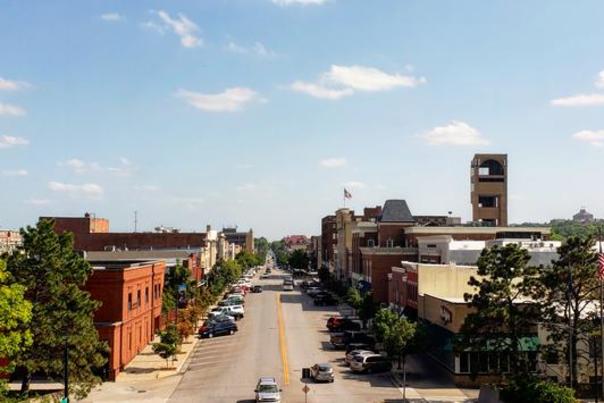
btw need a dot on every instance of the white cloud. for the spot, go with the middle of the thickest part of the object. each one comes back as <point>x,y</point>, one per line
<point>257,49</point>
<point>37,202</point>
<point>593,137</point>
<point>600,80</point>
<point>15,172</point>
<point>11,141</point>
<point>125,168</point>
<point>354,185</point>
<point>186,29</point>
<point>91,190</point>
<point>11,110</point>
<point>299,2</point>
<point>319,91</point>
<point>230,100</point>
<point>9,85</point>
<point>333,162</point>
<point>455,133</point>
<point>369,78</point>
<point>579,100</point>
<point>112,17</point>
<point>341,81</point>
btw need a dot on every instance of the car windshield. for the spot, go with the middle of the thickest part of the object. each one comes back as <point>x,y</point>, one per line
<point>267,389</point>
<point>324,368</point>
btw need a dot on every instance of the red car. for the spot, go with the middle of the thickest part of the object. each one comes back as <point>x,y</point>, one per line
<point>334,322</point>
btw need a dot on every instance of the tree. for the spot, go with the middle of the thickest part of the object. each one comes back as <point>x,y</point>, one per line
<point>247,260</point>
<point>52,273</point>
<point>570,286</point>
<point>298,259</point>
<point>384,320</point>
<point>501,316</point>
<point>532,390</point>
<point>280,251</point>
<point>363,304</point>
<point>262,247</point>
<point>398,337</point>
<point>169,341</point>
<point>15,316</point>
<point>354,298</point>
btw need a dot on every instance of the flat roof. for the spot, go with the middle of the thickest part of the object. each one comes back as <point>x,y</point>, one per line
<point>120,264</point>
<point>474,230</point>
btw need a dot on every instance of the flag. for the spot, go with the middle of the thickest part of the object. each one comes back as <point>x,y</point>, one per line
<point>347,194</point>
<point>601,265</point>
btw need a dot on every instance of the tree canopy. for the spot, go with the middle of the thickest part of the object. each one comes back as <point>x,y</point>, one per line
<point>53,274</point>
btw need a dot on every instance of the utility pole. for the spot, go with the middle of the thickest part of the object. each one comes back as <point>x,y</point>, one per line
<point>135,220</point>
<point>601,309</point>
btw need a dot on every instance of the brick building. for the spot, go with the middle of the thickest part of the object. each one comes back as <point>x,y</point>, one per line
<point>328,241</point>
<point>92,234</point>
<point>245,240</point>
<point>9,240</point>
<point>131,296</point>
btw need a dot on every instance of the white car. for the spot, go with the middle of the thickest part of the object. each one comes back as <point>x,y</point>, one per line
<point>235,311</point>
<point>267,390</point>
<point>352,354</point>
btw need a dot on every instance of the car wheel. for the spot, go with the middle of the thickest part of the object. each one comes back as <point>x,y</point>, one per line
<point>231,332</point>
<point>210,335</point>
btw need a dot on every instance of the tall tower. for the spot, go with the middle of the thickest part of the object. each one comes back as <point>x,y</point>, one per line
<point>489,184</point>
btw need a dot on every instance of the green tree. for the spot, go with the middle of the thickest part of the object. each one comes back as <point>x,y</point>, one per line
<point>53,274</point>
<point>280,251</point>
<point>398,337</point>
<point>169,342</point>
<point>15,316</point>
<point>570,285</point>
<point>528,389</point>
<point>262,247</point>
<point>385,319</point>
<point>248,260</point>
<point>501,317</point>
<point>298,259</point>
<point>354,298</point>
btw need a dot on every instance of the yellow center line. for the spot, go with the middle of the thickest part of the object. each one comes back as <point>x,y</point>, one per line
<point>282,342</point>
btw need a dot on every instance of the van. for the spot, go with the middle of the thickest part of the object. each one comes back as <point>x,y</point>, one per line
<point>370,363</point>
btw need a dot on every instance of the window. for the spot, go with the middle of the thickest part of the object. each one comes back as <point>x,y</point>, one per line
<point>370,243</point>
<point>390,243</point>
<point>487,201</point>
<point>138,298</point>
<point>129,301</point>
<point>147,295</point>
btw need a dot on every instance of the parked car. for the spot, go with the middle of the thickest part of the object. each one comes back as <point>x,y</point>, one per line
<point>350,356</point>
<point>342,324</point>
<point>218,328</point>
<point>288,287</point>
<point>219,311</point>
<point>235,311</point>
<point>342,339</point>
<point>322,373</point>
<point>370,363</point>
<point>325,299</point>
<point>313,291</point>
<point>257,289</point>
<point>228,302</point>
<point>267,390</point>
<point>237,298</point>
<point>264,276</point>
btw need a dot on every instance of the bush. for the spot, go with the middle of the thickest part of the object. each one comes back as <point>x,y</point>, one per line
<point>536,391</point>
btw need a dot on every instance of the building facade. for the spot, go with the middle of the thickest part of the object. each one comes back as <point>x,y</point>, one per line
<point>329,240</point>
<point>9,240</point>
<point>131,297</point>
<point>489,189</point>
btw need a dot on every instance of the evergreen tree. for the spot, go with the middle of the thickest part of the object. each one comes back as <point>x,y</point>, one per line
<point>62,313</point>
<point>15,316</point>
<point>571,285</point>
<point>501,316</point>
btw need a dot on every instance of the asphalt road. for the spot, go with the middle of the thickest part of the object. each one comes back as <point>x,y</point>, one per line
<point>282,332</point>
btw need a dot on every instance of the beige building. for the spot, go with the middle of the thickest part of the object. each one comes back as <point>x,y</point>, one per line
<point>9,240</point>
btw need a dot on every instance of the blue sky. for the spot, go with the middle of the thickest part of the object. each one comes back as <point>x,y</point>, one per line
<point>259,112</point>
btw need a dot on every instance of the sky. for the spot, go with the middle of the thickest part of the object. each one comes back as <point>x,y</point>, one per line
<point>258,113</point>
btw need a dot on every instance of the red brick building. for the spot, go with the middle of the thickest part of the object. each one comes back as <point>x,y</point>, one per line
<point>92,234</point>
<point>131,295</point>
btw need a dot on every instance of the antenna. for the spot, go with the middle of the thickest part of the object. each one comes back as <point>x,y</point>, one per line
<point>135,220</point>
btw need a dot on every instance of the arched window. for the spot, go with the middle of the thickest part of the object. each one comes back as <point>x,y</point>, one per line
<point>490,167</point>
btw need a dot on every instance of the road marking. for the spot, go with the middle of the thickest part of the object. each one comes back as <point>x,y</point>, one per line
<point>282,343</point>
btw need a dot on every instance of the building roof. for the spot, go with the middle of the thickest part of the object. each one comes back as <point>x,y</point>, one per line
<point>396,211</point>
<point>476,230</point>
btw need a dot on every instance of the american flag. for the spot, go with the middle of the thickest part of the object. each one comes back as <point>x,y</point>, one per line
<point>347,194</point>
<point>601,265</point>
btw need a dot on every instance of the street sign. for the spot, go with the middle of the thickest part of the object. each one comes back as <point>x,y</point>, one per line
<point>305,389</point>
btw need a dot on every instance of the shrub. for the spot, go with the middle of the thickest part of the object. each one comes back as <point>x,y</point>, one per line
<point>533,390</point>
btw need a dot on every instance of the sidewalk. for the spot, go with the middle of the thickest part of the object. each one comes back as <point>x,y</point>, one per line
<point>145,376</point>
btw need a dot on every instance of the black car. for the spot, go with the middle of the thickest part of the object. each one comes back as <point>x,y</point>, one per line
<point>325,299</point>
<point>217,329</point>
<point>257,289</point>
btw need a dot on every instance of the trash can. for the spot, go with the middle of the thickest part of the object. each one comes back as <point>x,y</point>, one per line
<point>305,373</point>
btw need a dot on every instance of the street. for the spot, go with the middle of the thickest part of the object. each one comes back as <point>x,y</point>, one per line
<point>226,369</point>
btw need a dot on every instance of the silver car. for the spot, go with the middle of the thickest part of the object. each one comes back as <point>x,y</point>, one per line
<point>267,390</point>
<point>322,373</point>
<point>352,354</point>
